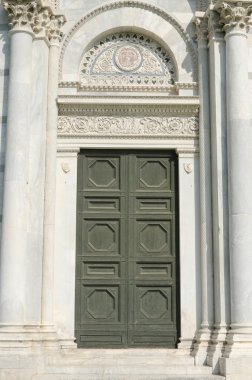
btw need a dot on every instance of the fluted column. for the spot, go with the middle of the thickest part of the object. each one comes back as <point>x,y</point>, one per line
<point>203,336</point>
<point>55,36</point>
<point>13,307</point>
<point>235,16</point>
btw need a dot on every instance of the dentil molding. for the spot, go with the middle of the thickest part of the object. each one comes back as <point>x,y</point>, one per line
<point>234,15</point>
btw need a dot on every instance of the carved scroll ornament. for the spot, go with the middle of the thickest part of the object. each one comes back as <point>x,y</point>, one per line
<point>127,126</point>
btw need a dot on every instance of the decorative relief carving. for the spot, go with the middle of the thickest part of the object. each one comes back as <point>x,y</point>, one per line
<point>127,126</point>
<point>36,16</point>
<point>141,5</point>
<point>20,12</point>
<point>55,34</point>
<point>127,59</point>
<point>214,26</point>
<point>201,24</point>
<point>234,16</point>
<point>188,168</point>
<point>41,21</point>
<point>68,107</point>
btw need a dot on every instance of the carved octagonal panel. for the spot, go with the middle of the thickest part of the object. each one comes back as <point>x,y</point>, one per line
<point>102,173</point>
<point>153,174</point>
<point>154,304</point>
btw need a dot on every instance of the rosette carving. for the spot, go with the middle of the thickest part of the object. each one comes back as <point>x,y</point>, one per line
<point>234,16</point>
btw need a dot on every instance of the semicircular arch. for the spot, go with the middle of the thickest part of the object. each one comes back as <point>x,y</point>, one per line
<point>134,16</point>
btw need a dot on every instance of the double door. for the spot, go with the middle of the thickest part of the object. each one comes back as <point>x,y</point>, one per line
<point>126,267</point>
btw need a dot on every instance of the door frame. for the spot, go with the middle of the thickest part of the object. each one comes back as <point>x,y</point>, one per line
<point>65,233</point>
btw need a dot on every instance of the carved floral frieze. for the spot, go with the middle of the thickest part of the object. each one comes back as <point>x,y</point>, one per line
<point>90,126</point>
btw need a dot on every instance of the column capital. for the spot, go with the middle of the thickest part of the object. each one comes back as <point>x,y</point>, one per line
<point>214,26</point>
<point>235,16</point>
<point>35,16</point>
<point>21,13</point>
<point>55,34</point>
<point>200,22</point>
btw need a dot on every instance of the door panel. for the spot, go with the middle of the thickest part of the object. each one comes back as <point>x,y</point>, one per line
<point>126,268</point>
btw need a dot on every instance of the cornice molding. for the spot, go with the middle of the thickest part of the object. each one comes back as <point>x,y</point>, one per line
<point>141,5</point>
<point>234,15</point>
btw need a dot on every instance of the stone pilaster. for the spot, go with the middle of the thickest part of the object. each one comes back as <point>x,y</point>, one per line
<point>235,19</point>
<point>204,334</point>
<point>55,36</point>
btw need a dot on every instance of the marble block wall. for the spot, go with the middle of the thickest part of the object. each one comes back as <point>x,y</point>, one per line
<point>4,75</point>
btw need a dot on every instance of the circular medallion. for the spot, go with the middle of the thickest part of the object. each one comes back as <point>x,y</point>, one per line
<point>128,58</point>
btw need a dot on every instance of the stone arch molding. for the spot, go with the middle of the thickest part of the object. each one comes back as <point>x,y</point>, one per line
<point>133,16</point>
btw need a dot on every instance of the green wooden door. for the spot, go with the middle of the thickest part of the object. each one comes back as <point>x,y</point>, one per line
<point>126,272</point>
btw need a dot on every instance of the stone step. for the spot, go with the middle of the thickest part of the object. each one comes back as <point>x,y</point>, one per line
<point>129,376</point>
<point>120,361</point>
<point>147,369</point>
<point>129,357</point>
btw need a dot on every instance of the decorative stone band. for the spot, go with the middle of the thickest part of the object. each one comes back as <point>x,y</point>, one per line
<point>234,15</point>
<point>36,16</point>
<point>104,126</point>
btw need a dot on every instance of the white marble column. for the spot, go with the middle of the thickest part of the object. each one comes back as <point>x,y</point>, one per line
<point>217,72</point>
<point>204,334</point>
<point>235,17</point>
<point>50,174</point>
<point>37,139</point>
<point>13,307</point>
